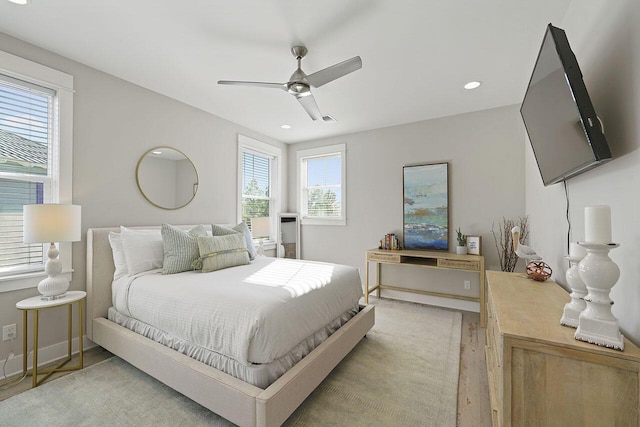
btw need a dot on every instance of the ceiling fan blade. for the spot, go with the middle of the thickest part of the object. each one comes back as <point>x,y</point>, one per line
<point>310,106</point>
<point>336,71</point>
<point>255,84</point>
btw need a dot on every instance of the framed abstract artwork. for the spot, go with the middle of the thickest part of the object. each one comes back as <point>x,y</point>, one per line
<point>426,206</point>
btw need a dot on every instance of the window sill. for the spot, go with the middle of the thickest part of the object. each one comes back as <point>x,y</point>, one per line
<point>269,245</point>
<point>322,221</point>
<point>26,280</point>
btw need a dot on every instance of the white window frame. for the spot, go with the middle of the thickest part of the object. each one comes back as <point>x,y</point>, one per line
<point>326,151</point>
<point>62,155</point>
<point>250,145</point>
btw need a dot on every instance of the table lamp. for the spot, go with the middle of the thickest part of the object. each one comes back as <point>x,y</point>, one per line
<point>50,223</point>
<point>260,228</point>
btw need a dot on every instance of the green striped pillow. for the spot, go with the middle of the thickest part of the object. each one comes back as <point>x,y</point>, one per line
<point>218,252</point>
<point>180,247</point>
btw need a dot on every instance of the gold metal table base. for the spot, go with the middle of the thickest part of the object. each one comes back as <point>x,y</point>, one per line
<point>35,372</point>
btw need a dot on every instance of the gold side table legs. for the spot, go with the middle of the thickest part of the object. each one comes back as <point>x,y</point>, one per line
<point>60,367</point>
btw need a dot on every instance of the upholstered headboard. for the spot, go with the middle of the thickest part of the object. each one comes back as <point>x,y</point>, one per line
<point>100,269</point>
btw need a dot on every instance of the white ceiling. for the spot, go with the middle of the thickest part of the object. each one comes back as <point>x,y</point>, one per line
<point>416,54</point>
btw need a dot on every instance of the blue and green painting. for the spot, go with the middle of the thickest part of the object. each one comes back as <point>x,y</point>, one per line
<point>426,207</point>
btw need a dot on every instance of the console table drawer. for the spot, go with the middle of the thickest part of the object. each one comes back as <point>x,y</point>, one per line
<point>456,263</point>
<point>378,257</point>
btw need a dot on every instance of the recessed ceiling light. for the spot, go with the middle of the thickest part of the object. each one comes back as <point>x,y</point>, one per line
<point>286,126</point>
<point>472,85</point>
<point>19,1</point>
<point>157,152</point>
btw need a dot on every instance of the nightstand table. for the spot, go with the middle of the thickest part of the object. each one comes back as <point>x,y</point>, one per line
<point>36,304</point>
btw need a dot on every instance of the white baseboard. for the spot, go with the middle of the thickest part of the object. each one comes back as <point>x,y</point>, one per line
<point>46,355</point>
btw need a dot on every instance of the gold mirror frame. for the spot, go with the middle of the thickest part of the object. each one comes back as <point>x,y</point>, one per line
<point>154,178</point>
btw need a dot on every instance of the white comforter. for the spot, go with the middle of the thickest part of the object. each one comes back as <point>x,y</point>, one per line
<point>254,313</point>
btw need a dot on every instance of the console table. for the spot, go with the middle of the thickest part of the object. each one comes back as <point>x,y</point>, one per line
<point>428,259</point>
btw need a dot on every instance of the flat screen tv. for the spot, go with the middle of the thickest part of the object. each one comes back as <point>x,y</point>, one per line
<point>565,133</point>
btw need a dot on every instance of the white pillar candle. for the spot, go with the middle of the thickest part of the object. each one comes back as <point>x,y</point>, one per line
<point>597,224</point>
<point>577,251</point>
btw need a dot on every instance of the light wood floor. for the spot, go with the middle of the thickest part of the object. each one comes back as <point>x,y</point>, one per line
<point>13,385</point>
<point>473,390</point>
<point>474,408</point>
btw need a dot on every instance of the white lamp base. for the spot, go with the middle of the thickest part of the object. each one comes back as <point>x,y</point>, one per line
<point>54,286</point>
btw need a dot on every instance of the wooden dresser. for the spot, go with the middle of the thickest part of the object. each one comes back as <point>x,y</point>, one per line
<point>539,375</point>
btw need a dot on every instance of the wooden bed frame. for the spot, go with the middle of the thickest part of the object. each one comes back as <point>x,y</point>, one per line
<point>231,398</point>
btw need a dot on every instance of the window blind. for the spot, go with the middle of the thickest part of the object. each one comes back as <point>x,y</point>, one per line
<point>26,121</point>
<point>256,185</point>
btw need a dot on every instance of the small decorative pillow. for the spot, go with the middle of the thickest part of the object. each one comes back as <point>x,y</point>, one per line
<point>218,252</point>
<point>180,247</point>
<point>223,230</point>
<point>115,239</point>
<point>143,249</point>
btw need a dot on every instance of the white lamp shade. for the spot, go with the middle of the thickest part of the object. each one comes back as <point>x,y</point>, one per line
<point>261,227</point>
<point>48,223</point>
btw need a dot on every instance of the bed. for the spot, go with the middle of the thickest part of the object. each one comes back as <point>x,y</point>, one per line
<point>238,401</point>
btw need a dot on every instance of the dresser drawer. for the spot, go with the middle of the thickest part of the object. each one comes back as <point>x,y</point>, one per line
<point>380,257</point>
<point>461,264</point>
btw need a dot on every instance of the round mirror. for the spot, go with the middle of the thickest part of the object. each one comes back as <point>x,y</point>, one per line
<point>167,178</point>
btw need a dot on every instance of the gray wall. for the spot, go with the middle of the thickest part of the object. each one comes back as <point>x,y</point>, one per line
<point>115,123</point>
<point>605,37</point>
<point>486,180</point>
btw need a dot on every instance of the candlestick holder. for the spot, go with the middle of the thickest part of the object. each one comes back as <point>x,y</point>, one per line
<point>596,323</point>
<point>572,309</point>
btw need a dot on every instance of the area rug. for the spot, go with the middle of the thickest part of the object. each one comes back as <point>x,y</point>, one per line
<point>404,373</point>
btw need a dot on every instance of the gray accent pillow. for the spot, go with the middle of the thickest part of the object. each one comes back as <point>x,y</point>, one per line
<point>218,252</point>
<point>222,230</point>
<point>180,247</point>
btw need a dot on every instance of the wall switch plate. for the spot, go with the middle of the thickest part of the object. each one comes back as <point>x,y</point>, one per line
<point>8,332</point>
<point>467,284</point>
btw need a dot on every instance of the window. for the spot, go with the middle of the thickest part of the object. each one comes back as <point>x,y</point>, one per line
<point>259,182</point>
<point>26,139</point>
<point>35,165</point>
<point>322,177</point>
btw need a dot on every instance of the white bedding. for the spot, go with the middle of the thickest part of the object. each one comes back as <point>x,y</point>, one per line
<point>254,313</point>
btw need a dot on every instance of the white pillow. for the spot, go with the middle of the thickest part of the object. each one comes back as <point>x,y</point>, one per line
<point>143,249</point>
<point>115,239</point>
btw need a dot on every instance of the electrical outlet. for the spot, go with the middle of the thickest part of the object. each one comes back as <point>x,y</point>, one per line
<point>8,332</point>
<point>467,284</point>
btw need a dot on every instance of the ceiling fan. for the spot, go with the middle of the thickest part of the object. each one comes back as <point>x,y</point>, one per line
<point>299,84</point>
